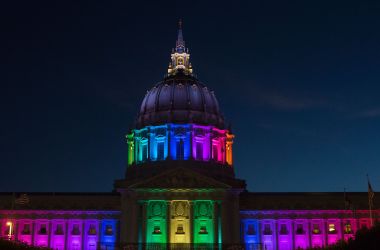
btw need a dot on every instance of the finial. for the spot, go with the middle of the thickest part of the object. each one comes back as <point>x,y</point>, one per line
<point>180,24</point>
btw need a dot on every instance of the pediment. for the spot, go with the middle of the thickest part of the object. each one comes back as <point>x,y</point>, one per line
<point>180,178</point>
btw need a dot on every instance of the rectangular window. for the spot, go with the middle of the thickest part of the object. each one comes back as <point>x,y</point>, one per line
<point>180,229</point>
<point>109,230</point>
<point>75,230</point>
<point>332,229</point>
<point>267,230</point>
<point>59,230</point>
<point>156,230</point>
<point>348,228</point>
<point>203,230</point>
<point>251,229</point>
<point>42,230</point>
<point>92,230</point>
<point>299,229</point>
<point>144,151</point>
<point>283,229</point>
<point>26,230</point>
<point>316,229</point>
<point>215,153</point>
<point>180,149</point>
<point>199,150</point>
<point>160,150</point>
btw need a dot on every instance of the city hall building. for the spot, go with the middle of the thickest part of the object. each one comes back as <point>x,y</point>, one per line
<point>180,190</point>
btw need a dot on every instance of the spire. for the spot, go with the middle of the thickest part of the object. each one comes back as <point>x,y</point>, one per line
<point>180,58</point>
<point>180,43</point>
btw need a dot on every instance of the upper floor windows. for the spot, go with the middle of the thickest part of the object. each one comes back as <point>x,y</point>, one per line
<point>267,229</point>
<point>42,230</point>
<point>26,230</point>
<point>283,229</point>
<point>316,229</point>
<point>332,229</point>
<point>109,230</point>
<point>75,230</point>
<point>348,228</point>
<point>92,230</point>
<point>59,230</point>
<point>251,229</point>
<point>299,229</point>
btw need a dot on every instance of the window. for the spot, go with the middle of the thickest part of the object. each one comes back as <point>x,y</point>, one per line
<point>59,230</point>
<point>299,229</point>
<point>332,229</point>
<point>348,228</point>
<point>156,230</point>
<point>160,150</point>
<point>75,230</point>
<point>267,230</point>
<point>109,230</point>
<point>26,230</point>
<point>215,152</point>
<point>180,149</point>
<point>283,229</point>
<point>251,229</point>
<point>199,150</point>
<point>180,229</point>
<point>92,230</point>
<point>203,230</point>
<point>43,230</point>
<point>316,229</point>
<point>144,151</point>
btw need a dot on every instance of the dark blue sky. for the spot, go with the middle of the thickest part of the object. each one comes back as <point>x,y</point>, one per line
<point>298,80</point>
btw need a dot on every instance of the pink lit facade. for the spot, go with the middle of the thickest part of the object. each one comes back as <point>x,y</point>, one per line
<point>61,230</point>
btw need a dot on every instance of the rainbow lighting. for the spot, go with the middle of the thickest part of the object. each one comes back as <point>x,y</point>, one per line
<point>180,142</point>
<point>180,191</point>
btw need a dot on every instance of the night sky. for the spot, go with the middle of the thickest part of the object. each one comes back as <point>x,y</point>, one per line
<point>298,80</point>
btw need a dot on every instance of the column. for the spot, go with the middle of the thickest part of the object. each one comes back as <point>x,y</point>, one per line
<point>144,221</point>
<point>215,219</point>
<point>191,203</point>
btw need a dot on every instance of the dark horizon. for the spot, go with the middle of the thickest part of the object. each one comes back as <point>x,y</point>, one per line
<point>299,82</point>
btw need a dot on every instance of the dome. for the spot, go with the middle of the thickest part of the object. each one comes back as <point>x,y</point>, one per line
<point>180,98</point>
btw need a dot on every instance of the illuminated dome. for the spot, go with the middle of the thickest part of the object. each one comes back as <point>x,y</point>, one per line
<point>180,98</point>
<point>180,124</point>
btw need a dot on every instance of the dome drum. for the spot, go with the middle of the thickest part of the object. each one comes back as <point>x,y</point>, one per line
<point>180,142</point>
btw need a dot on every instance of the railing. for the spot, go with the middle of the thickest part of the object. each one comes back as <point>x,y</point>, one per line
<point>178,246</point>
